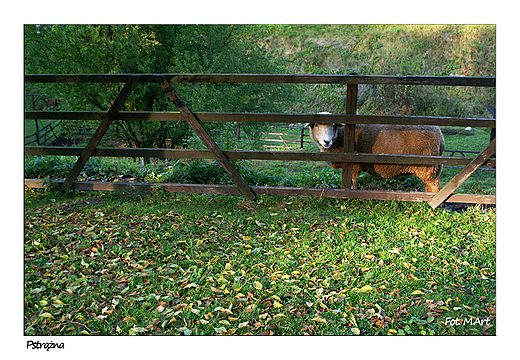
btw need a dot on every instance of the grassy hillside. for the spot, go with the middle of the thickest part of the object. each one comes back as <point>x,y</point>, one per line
<point>440,50</point>
<point>387,49</point>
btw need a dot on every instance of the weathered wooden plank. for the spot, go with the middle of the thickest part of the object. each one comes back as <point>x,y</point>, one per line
<point>267,190</point>
<point>206,139</point>
<point>70,115</point>
<point>344,193</point>
<point>141,187</point>
<point>472,199</point>
<point>145,187</point>
<point>100,132</point>
<point>268,118</point>
<point>259,155</point>
<point>75,78</point>
<point>463,175</point>
<point>233,190</point>
<point>269,78</point>
<point>34,183</point>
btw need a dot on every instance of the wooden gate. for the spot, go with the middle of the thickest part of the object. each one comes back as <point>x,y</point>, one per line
<point>350,118</point>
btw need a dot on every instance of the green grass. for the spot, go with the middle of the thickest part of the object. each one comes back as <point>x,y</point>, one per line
<point>204,265</point>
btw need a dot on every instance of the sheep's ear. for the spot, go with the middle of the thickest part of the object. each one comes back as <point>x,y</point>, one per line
<point>309,125</point>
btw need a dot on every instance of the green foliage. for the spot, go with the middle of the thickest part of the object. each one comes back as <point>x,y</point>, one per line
<point>76,49</point>
<point>47,166</point>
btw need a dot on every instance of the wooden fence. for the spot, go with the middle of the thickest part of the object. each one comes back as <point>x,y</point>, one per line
<point>214,152</point>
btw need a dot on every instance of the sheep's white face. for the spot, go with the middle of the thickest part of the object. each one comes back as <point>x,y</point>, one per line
<point>324,134</point>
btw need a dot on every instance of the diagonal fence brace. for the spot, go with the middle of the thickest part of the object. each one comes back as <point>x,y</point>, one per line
<point>100,131</point>
<point>463,175</point>
<point>194,122</point>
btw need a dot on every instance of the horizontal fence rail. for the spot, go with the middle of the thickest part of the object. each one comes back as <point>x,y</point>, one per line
<point>267,190</point>
<point>259,155</point>
<point>267,118</point>
<point>348,157</point>
<point>270,78</point>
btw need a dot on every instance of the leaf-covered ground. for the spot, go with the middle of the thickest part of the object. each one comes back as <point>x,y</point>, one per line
<point>216,265</point>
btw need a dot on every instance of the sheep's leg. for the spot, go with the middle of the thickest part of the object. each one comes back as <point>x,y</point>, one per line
<point>356,170</point>
<point>432,185</point>
<point>354,181</point>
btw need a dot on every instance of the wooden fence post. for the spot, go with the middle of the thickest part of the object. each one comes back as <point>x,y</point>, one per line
<point>350,135</point>
<point>194,122</point>
<point>101,131</point>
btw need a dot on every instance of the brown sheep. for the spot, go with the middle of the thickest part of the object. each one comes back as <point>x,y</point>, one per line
<point>386,139</point>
